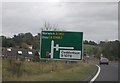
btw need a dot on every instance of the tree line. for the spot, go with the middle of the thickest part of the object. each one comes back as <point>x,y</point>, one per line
<point>110,49</point>
<point>24,40</point>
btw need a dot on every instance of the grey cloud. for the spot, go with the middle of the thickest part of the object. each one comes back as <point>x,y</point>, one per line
<point>97,20</point>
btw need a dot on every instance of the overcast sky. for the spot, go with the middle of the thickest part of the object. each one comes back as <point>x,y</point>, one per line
<point>97,20</point>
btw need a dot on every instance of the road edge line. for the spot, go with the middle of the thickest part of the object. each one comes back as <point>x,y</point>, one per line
<point>98,72</point>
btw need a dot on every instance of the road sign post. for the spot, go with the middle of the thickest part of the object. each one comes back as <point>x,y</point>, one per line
<point>61,45</point>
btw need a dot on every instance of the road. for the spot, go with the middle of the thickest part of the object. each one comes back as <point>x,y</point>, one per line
<point>108,72</point>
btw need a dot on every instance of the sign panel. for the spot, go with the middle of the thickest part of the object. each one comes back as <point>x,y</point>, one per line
<point>61,45</point>
<point>71,54</point>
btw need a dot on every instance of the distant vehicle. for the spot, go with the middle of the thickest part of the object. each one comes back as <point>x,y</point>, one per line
<point>104,61</point>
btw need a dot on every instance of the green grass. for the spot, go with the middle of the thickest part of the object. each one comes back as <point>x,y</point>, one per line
<point>42,71</point>
<point>73,74</point>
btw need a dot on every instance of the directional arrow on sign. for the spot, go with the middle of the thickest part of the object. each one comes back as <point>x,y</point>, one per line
<point>57,48</point>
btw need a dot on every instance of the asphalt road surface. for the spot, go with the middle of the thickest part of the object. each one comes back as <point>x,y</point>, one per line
<point>108,72</point>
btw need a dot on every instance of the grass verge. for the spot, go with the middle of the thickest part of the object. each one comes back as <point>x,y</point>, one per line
<point>42,71</point>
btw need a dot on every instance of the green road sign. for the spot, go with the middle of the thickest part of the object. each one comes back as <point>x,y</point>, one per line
<point>61,45</point>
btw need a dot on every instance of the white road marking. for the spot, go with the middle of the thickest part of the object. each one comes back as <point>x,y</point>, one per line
<point>98,72</point>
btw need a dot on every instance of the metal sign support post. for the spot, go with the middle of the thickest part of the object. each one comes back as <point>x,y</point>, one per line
<point>57,49</point>
<point>52,51</point>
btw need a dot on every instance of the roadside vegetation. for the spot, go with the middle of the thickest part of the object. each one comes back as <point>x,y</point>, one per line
<point>0,69</point>
<point>92,50</point>
<point>108,49</point>
<point>46,70</point>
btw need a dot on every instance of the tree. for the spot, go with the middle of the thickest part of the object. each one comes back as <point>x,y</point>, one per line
<point>92,43</point>
<point>110,49</point>
<point>7,42</point>
<point>36,43</point>
<point>3,41</point>
<point>18,39</point>
<point>24,45</point>
<point>85,42</point>
<point>49,27</point>
<point>28,38</point>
